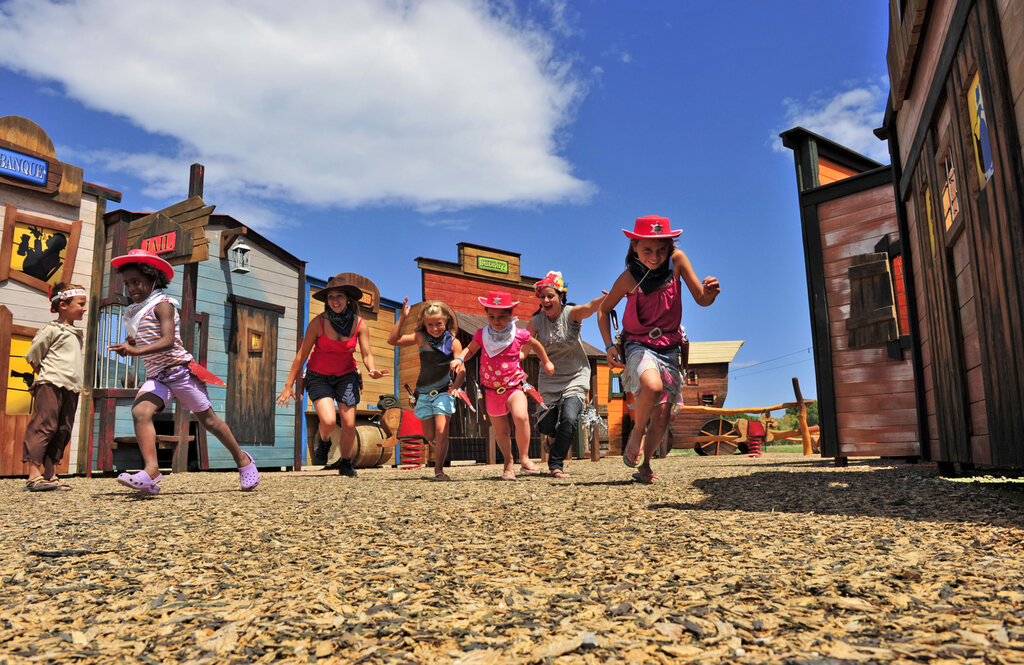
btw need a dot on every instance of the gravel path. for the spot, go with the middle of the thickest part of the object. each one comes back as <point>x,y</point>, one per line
<point>781,559</point>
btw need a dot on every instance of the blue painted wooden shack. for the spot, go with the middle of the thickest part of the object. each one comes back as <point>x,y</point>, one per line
<point>248,317</point>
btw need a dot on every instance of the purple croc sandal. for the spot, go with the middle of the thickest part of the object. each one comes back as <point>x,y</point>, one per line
<point>141,481</point>
<point>249,473</point>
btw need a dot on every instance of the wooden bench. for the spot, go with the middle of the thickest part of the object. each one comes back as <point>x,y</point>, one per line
<point>163,441</point>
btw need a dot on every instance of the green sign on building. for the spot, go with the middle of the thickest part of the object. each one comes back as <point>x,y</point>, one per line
<point>492,265</point>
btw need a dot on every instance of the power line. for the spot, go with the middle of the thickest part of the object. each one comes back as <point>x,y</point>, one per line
<point>771,369</point>
<point>763,362</point>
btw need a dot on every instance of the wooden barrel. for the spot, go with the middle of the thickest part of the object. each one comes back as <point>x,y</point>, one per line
<point>369,449</point>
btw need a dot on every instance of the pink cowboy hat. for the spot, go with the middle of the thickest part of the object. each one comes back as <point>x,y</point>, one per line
<point>498,300</point>
<point>146,257</point>
<point>652,227</point>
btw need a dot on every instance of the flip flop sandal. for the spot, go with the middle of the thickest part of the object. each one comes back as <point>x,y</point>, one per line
<point>559,473</point>
<point>39,484</point>
<point>141,481</point>
<point>441,477</point>
<point>508,475</point>
<point>625,460</point>
<point>58,484</point>
<point>529,472</point>
<point>250,475</point>
<point>653,478</point>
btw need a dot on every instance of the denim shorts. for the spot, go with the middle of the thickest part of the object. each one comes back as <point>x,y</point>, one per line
<point>342,388</point>
<point>441,404</point>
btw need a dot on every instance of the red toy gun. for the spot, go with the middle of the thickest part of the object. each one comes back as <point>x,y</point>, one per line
<point>534,393</point>
<point>461,394</point>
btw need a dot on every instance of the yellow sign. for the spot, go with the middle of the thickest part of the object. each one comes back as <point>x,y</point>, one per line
<point>19,399</point>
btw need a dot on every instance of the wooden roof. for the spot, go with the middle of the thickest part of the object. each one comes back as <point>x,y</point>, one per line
<point>706,353</point>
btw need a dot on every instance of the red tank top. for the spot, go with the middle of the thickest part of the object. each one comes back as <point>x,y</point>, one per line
<point>660,310</point>
<point>334,357</point>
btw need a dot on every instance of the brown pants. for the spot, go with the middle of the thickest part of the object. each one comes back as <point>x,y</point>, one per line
<point>49,430</point>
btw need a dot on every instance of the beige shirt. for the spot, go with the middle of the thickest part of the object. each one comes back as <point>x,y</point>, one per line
<point>56,356</point>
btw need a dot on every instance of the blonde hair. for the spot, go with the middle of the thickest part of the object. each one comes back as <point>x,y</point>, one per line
<point>437,308</point>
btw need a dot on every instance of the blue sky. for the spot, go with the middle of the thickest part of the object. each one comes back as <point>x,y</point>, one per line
<point>362,134</point>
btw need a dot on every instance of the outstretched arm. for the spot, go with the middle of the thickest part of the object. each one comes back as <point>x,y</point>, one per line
<point>703,292</point>
<point>538,348</point>
<point>619,289</point>
<point>364,350</point>
<point>165,316</point>
<point>580,312</point>
<point>288,392</point>
<point>396,339</point>
<point>464,355</point>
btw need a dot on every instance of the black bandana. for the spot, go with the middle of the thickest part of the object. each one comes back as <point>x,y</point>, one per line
<point>651,280</point>
<point>442,344</point>
<point>342,323</point>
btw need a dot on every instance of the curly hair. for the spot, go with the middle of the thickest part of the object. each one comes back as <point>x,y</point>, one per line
<point>156,276</point>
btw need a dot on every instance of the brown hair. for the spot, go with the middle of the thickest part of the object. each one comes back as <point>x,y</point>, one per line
<point>57,288</point>
<point>437,308</point>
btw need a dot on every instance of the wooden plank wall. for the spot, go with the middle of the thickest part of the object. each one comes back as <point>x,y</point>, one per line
<point>875,400</point>
<point>30,307</point>
<point>1011,21</point>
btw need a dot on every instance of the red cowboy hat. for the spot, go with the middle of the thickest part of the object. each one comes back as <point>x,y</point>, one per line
<point>652,227</point>
<point>498,300</point>
<point>145,257</point>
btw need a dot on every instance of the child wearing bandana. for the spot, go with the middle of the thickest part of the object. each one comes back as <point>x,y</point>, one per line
<point>332,376</point>
<point>502,376</point>
<point>56,359</point>
<point>652,286</point>
<point>434,336</point>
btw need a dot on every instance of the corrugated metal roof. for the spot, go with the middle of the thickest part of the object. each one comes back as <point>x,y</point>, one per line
<point>706,353</point>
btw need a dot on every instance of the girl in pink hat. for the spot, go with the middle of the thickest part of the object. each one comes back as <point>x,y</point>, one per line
<point>502,376</point>
<point>652,335</point>
<point>152,324</point>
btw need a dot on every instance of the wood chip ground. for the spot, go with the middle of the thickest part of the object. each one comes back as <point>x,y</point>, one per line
<point>781,559</point>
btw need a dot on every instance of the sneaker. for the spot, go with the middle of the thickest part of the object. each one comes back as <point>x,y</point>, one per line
<point>323,449</point>
<point>345,468</point>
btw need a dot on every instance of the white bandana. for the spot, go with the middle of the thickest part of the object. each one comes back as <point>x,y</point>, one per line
<point>496,341</point>
<point>68,294</point>
<point>133,313</point>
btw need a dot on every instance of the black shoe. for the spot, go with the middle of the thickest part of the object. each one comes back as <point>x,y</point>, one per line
<point>345,468</point>
<point>321,453</point>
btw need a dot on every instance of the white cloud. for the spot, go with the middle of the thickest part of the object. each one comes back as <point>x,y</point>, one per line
<point>848,118</point>
<point>446,224</point>
<point>435,103</point>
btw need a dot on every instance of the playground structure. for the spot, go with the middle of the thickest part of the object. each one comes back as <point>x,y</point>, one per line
<point>718,436</point>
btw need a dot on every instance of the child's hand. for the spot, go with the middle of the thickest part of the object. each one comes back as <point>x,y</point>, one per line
<point>549,367</point>
<point>126,348</point>
<point>405,307</point>
<point>711,286</point>
<point>455,364</point>
<point>378,373</point>
<point>613,358</point>
<point>286,395</point>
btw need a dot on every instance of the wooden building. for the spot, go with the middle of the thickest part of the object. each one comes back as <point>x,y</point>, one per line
<point>244,324</point>
<point>50,218</point>
<point>950,208</point>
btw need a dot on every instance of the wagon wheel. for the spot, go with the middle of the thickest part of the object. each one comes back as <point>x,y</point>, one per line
<point>718,427</point>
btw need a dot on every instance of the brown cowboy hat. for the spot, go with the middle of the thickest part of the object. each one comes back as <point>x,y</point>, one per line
<point>344,282</point>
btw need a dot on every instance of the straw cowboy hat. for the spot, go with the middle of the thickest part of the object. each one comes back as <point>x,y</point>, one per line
<point>652,227</point>
<point>145,257</point>
<point>344,282</point>
<point>498,300</point>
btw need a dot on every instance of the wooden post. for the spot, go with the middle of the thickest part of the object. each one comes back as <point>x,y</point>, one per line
<point>805,433</point>
<point>492,453</point>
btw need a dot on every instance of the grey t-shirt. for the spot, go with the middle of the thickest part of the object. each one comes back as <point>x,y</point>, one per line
<point>561,339</point>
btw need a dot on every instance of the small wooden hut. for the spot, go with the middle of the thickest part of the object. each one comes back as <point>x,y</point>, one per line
<point>50,219</point>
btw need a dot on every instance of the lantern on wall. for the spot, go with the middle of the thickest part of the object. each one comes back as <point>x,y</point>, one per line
<point>239,256</point>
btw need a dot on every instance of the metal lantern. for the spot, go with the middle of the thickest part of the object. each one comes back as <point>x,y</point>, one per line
<point>239,256</point>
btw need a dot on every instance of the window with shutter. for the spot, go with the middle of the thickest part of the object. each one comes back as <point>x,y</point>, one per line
<point>872,305</point>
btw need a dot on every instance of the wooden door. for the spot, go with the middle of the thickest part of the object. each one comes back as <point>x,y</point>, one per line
<point>252,375</point>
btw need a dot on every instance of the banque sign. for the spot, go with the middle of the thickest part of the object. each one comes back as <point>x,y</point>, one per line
<point>16,165</point>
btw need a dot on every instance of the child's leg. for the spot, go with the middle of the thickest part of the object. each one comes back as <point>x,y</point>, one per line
<point>518,407</point>
<point>348,430</point>
<point>502,436</point>
<point>327,415</point>
<point>146,405</point>
<point>41,428</point>
<point>65,423</point>
<point>440,427</point>
<point>650,392</point>
<point>211,423</point>
<point>660,416</point>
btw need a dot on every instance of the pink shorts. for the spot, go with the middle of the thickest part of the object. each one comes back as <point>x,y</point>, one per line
<point>178,382</point>
<point>497,404</point>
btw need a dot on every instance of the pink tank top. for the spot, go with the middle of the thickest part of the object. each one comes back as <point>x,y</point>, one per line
<point>334,357</point>
<point>661,311</point>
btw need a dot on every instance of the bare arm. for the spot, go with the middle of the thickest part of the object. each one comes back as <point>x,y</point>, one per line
<point>408,339</point>
<point>580,312</point>
<point>308,340</point>
<point>538,348</point>
<point>464,355</point>
<point>165,316</point>
<point>364,350</point>
<point>460,372</point>
<point>703,292</point>
<point>620,288</point>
